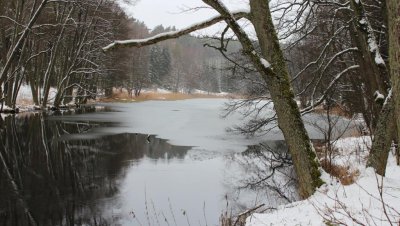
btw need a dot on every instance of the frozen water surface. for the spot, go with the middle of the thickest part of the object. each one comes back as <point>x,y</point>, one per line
<point>154,162</point>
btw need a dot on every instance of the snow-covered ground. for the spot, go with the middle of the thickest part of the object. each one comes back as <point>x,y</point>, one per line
<point>194,91</point>
<point>197,91</point>
<point>25,95</point>
<point>156,90</point>
<point>24,101</point>
<point>371,200</point>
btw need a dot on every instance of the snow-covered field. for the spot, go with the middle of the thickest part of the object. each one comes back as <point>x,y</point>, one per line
<point>371,200</point>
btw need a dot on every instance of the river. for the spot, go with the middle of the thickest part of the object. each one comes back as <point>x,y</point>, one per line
<point>150,163</point>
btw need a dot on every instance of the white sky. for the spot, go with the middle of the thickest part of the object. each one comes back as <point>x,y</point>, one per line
<point>169,12</point>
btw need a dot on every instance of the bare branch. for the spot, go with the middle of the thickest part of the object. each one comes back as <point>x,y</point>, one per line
<point>172,34</point>
<point>331,84</point>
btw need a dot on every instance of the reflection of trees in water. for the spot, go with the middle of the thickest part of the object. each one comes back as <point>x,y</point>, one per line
<point>265,170</point>
<point>137,146</point>
<point>45,180</point>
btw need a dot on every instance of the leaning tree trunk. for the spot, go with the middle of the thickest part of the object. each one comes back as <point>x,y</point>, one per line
<point>383,136</point>
<point>391,110</point>
<point>289,118</point>
<point>393,12</point>
<point>277,77</point>
<point>372,67</point>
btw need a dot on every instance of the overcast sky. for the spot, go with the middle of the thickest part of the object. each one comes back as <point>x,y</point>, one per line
<point>169,12</point>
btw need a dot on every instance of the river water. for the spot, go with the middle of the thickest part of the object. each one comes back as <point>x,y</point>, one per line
<point>87,168</point>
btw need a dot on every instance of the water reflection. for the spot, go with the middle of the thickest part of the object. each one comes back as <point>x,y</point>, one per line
<point>263,174</point>
<point>47,178</point>
<point>64,170</point>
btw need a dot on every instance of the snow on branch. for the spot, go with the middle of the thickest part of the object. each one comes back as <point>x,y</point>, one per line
<point>172,34</point>
<point>371,37</point>
<point>248,48</point>
<point>19,43</point>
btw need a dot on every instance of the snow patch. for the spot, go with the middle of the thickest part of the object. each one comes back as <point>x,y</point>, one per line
<point>265,63</point>
<point>359,203</point>
<point>378,96</point>
<point>373,46</point>
<point>352,152</point>
<point>378,59</point>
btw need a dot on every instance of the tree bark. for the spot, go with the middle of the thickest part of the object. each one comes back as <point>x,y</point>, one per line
<point>372,67</point>
<point>20,41</point>
<point>53,55</point>
<point>393,12</point>
<point>384,130</point>
<point>289,119</point>
<point>277,77</point>
<point>383,137</point>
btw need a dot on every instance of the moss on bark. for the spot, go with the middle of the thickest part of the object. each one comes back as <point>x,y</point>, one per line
<point>393,13</point>
<point>289,119</point>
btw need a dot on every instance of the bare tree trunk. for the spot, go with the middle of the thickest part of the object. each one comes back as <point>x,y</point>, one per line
<point>20,41</point>
<point>393,12</point>
<point>372,67</point>
<point>289,119</point>
<point>382,138</point>
<point>74,61</point>
<point>276,76</point>
<point>383,134</point>
<point>54,52</point>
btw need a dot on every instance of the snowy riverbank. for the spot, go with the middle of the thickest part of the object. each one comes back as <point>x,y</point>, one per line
<point>371,200</point>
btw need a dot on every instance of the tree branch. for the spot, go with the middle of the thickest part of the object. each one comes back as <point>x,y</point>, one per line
<point>172,34</point>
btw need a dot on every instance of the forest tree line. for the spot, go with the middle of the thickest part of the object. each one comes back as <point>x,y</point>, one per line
<point>57,44</point>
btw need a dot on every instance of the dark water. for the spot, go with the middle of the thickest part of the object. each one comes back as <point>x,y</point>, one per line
<point>67,170</point>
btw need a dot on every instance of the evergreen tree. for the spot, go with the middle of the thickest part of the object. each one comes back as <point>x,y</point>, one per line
<point>154,64</point>
<point>165,66</point>
<point>160,65</point>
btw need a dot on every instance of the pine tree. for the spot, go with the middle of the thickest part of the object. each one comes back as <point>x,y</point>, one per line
<point>160,65</point>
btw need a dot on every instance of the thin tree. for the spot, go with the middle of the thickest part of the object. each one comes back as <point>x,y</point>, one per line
<point>20,42</point>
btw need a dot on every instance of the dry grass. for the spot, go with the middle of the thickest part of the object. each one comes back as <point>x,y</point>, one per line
<point>125,97</point>
<point>25,102</point>
<point>344,174</point>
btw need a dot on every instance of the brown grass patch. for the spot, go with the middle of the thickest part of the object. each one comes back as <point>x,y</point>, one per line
<point>344,174</point>
<point>24,102</point>
<point>125,97</point>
